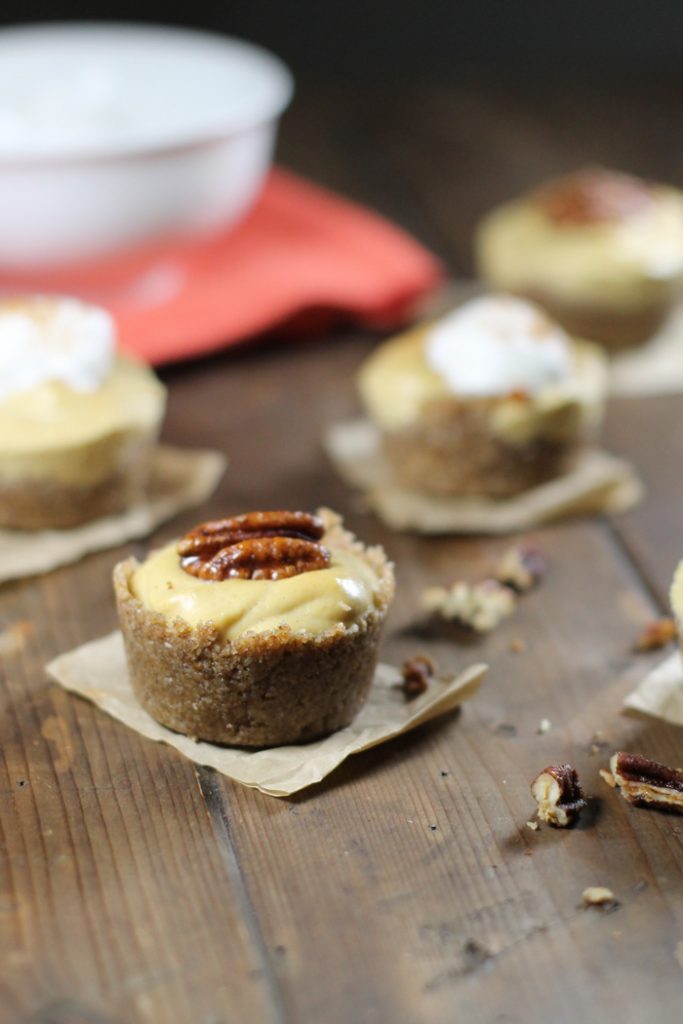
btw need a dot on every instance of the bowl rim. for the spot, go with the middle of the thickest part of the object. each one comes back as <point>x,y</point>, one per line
<point>281,90</point>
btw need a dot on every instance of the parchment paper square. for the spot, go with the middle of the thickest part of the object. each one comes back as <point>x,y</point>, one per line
<point>660,693</point>
<point>98,672</point>
<point>599,482</point>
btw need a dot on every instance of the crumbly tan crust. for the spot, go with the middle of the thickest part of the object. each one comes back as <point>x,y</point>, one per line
<point>615,329</point>
<point>451,450</point>
<point>44,503</point>
<point>262,689</point>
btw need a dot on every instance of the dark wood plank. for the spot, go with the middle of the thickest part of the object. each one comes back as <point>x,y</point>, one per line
<point>648,431</point>
<point>115,899</point>
<point>407,887</point>
<point>369,912</point>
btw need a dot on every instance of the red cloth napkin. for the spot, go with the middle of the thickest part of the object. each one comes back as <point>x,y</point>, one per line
<point>303,258</point>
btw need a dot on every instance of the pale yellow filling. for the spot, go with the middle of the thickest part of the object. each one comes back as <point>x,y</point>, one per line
<point>677,594</point>
<point>313,602</point>
<point>396,384</point>
<point>78,436</point>
<point>626,264</point>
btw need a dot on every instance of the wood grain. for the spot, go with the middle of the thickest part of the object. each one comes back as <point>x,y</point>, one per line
<point>407,887</point>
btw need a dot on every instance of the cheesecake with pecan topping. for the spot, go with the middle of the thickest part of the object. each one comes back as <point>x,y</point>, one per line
<point>489,401</point>
<point>78,423</point>
<point>602,252</point>
<point>257,630</point>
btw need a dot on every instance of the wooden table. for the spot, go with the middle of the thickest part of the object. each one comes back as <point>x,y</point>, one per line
<point>137,887</point>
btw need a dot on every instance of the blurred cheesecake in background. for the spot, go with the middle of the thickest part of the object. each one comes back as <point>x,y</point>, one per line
<point>78,423</point>
<point>602,252</point>
<point>489,401</point>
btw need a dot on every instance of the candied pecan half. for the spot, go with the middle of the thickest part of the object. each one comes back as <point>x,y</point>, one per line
<point>558,793</point>
<point>256,545</point>
<point>647,783</point>
<point>592,196</point>
<point>207,538</point>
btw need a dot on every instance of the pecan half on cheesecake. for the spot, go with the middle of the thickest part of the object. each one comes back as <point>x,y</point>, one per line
<point>489,401</point>
<point>257,630</point>
<point>602,252</point>
<point>78,424</point>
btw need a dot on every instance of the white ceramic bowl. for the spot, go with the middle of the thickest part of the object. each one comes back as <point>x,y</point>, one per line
<point>114,135</point>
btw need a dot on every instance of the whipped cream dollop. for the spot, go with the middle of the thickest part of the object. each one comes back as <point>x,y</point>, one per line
<point>497,345</point>
<point>53,339</point>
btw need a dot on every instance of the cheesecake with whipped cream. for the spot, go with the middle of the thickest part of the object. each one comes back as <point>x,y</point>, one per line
<point>258,630</point>
<point>602,252</point>
<point>488,401</point>
<point>78,423</point>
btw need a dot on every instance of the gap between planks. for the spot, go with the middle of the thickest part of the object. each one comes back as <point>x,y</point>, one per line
<point>218,815</point>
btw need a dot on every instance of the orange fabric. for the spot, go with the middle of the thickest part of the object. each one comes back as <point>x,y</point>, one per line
<point>303,259</point>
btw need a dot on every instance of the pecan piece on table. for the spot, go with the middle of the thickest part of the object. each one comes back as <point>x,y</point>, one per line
<point>417,673</point>
<point>478,606</point>
<point>599,896</point>
<point>656,634</point>
<point>257,545</point>
<point>521,567</point>
<point>647,783</point>
<point>558,793</point>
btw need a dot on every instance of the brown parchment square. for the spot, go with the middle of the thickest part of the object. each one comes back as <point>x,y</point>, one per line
<point>98,672</point>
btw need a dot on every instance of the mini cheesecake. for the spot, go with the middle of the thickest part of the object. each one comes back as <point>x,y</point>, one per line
<point>258,630</point>
<point>602,252</point>
<point>78,424</point>
<point>676,598</point>
<point>488,402</point>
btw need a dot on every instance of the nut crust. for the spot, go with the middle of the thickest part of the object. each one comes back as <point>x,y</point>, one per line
<point>614,328</point>
<point>262,689</point>
<point>451,450</point>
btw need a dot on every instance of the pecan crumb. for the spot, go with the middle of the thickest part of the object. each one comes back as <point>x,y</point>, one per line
<point>14,637</point>
<point>479,606</point>
<point>517,646</point>
<point>599,896</point>
<point>558,793</point>
<point>533,825</point>
<point>417,673</point>
<point>521,567</point>
<point>608,778</point>
<point>656,635</point>
<point>544,726</point>
<point>647,783</point>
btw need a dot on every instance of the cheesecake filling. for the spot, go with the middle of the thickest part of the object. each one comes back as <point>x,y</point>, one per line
<point>310,602</point>
<point>622,262</point>
<point>76,436</point>
<point>524,373</point>
<point>69,407</point>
